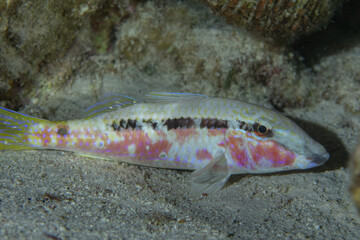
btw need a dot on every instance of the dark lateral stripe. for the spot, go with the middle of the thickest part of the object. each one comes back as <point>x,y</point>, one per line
<point>179,123</point>
<point>213,123</point>
<point>176,123</point>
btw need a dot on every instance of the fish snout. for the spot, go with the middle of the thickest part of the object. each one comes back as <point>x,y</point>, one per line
<point>317,159</point>
<point>315,153</point>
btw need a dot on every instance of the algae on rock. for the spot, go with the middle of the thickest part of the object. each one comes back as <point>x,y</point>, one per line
<point>42,42</point>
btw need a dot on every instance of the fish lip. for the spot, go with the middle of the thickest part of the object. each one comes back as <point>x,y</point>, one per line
<point>317,159</point>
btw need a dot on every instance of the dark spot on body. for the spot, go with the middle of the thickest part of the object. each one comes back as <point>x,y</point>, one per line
<point>241,124</point>
<point>172,123</point>
<point>131,124</point>
<point>245,126</point>
<point>213,123</point>
<point>115,125</point>
<point>176,123</point>
<point>203,123</point>
<point>191,123</point>
<point>187,123</point>
<point>150,122</point>
<point>123,123</point>
<point>62,131</point>
<point>221,123</point>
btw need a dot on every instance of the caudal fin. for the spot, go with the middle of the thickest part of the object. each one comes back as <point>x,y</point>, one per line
<point>14,129</point>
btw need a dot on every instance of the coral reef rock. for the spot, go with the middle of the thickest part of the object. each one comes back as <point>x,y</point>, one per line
<point>184,43</point>
<point>338,78</point>
<point>280,19</point>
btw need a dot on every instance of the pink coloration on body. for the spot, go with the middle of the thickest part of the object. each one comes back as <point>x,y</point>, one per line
<point>204,154</point>
<point>134,144</point>
<point>250,152</point>
<point>216,132</point>
<point>246,149</point>
<point>183,134</point>
<point>131,143</point>
<point>268,149</point>
<point>237,148</point>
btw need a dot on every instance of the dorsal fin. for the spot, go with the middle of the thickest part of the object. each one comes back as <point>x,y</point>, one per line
<point>109,102</point>
<point>172,97</point>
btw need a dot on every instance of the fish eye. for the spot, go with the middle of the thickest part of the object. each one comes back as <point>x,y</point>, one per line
<point>262,129</point>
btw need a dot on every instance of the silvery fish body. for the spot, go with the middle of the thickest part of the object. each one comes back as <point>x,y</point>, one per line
<point>216,137</point>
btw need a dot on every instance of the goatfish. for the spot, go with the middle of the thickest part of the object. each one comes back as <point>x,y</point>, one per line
<point>216,137</point>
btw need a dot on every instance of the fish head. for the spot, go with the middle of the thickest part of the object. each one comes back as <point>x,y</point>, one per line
<point>271,142</point>
<point>309,152</point>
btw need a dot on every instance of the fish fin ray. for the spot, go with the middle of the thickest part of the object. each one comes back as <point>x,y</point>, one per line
<point>108,103</point>
<point>210,178</point>
<point>13,127</point>
<point>172,97</point>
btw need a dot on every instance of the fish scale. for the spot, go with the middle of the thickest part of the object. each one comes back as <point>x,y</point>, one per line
<point>216,137</point>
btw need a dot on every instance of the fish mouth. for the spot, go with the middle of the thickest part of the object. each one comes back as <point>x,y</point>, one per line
<point>317,159</point>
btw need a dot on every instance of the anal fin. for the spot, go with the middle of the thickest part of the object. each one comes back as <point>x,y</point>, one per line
<point>210,178</point>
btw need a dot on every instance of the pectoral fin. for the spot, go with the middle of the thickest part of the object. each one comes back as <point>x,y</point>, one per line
<point>210,178</point>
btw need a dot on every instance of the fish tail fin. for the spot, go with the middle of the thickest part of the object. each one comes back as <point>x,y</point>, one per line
<point>14,129</point>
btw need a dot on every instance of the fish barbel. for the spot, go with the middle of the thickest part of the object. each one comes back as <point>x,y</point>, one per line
<point>216,137</point>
